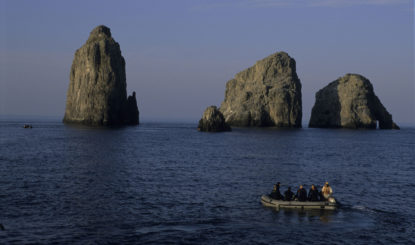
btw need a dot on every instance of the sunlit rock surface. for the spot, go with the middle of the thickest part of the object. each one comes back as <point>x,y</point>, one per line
<point>349,102</point>
<point>266,94</point>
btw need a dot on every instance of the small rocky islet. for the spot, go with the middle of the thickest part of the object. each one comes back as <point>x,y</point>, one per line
<point>213,121</point>
<point>97,93</point>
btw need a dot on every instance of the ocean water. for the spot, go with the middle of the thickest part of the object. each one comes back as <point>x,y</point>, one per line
<point>162,183</point>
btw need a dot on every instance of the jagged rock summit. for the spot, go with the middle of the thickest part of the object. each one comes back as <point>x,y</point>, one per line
<point>213,121</point>
<point>349,102</point>
<point>97,93</point>
<point>266,94</point>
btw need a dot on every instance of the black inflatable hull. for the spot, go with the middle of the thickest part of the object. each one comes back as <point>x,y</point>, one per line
<point>269,202</point>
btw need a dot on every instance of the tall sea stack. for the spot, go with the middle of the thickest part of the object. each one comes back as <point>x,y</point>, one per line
<point>349,102</point>
<point>266,94</point>
<point>97,93</point>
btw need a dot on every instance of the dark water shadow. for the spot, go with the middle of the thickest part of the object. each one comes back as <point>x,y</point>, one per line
<point>325,216</point>
<point>327,108</point>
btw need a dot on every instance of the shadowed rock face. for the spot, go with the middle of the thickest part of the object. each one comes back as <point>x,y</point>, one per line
<point>349,102</point>
<point>131,116</point>
<point>97,94</point>
<point>213,121</point>
<point>266,94</point>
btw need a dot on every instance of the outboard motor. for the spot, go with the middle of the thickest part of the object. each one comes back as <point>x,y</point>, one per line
<point>332,200</point>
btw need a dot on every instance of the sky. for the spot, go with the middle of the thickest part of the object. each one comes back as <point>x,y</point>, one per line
<point>180,54</point>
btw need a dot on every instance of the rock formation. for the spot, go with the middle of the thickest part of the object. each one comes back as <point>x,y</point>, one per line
<point>97,93</point>
<point>349,102</point>
<point>213,121</point>
<point>266,94</point>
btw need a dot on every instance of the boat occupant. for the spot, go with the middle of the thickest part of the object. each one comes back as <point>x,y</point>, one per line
<point>301,194</point>
<point>313,194</point>
<point>326,191</point>
<point>289,195</point>
<point>276,194</point>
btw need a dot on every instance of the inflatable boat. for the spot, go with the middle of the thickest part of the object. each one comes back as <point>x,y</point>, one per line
<point>330,204</point>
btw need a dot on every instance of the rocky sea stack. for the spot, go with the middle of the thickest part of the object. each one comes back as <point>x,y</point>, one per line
<point>349,102</point>
<point>97,93</point>
<point>266,94</point>
<point>213,121</point>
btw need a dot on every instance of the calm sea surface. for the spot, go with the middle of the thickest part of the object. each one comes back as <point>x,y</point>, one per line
<point>169,184</point>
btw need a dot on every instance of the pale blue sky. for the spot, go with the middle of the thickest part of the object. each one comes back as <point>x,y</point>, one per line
<point>180,54</point>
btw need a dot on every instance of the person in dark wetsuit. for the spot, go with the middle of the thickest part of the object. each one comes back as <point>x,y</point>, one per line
<point>289,195</point>
<point>301,194</point>
<point>313,194</point>
<point>276,194</point>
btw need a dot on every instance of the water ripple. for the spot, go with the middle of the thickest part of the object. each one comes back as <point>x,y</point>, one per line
<point>169,184</point>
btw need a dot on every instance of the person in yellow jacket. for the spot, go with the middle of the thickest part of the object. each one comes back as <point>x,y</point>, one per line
<point>326,191</point>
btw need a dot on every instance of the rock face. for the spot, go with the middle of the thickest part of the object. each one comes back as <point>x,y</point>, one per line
<point>349,102</point>
<point>213,121</point>
<point>266,94</point>
<point>97,93</point>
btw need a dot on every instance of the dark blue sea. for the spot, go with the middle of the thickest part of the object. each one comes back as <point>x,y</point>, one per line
<point>167,183</point>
